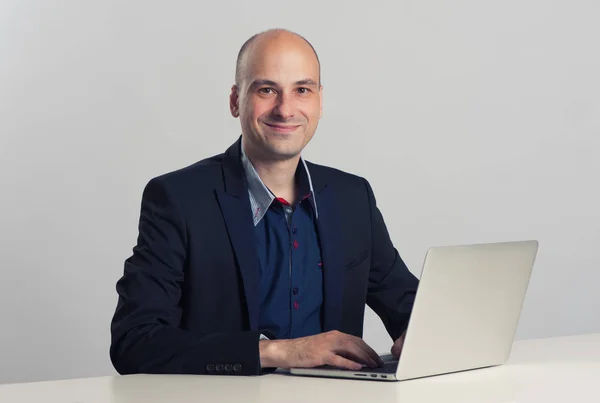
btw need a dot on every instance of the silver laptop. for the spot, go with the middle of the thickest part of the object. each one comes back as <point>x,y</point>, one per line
<point>465,313</point>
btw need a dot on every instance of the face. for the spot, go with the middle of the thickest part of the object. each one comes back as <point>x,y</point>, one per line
<point>279,100</point>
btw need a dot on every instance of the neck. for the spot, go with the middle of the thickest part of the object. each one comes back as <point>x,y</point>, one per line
<point>277,175</point>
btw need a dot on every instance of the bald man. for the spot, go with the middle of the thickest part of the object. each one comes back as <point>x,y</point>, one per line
<point>256,259</point>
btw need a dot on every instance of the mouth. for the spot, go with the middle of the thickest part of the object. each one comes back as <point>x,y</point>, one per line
<point>281,128</point>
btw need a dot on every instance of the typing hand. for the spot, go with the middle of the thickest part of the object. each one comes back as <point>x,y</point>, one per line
<point>397,347</point>
<point>331,348</point>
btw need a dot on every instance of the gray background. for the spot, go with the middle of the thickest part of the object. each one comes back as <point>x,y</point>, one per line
<point>474,122</point>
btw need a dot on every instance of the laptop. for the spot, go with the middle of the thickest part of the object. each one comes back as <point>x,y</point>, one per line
<point>465,313</point>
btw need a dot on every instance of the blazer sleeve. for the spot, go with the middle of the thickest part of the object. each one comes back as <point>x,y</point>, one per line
<point>145,331</point>
<point>392,287</point>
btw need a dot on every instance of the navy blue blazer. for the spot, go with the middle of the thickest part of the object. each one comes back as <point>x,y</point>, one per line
<point>189,296</point>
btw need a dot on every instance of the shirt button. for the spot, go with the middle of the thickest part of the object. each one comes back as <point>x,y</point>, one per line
<point>296,244</point>
<point>294,230</point>
<point>295,290</point>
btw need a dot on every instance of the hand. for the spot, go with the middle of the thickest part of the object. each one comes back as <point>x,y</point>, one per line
<point>331,348</point>
<point>397,347</point>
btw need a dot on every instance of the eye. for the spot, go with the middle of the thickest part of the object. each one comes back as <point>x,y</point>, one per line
<point>266,90</point>
<point>303,90</point>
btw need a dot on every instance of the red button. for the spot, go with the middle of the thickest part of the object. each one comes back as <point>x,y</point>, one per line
<point>296,304</point>
<point>296,244</point>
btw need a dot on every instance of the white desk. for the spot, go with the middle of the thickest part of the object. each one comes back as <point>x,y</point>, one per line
<point>544,370</point>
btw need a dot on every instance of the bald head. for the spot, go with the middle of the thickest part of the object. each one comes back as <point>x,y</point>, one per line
<point>259,43</point>
<point>278,95</point>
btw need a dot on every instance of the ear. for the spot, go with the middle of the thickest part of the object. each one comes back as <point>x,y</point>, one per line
<point>321,101</point>
<point>234,102</point>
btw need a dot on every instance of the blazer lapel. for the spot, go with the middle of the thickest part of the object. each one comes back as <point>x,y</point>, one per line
<point>235,206</point>
<point>332,254</point>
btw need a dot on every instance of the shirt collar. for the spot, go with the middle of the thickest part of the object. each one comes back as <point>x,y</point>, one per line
<point>261,197</point>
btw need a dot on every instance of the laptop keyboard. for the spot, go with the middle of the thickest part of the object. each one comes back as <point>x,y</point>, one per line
<point>388,368</point>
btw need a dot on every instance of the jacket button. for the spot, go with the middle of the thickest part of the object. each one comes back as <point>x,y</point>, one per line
<point>219,367</point>
<point>237,368</point>
<point>228,368</point>
<point>210,368</point>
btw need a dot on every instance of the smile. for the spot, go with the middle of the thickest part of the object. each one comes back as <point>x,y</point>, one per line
<point>282,128</point>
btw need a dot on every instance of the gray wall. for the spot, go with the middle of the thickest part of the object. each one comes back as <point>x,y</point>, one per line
<point>474,121</point>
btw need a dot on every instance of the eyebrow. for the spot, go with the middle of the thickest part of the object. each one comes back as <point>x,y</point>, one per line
<point>260,82</point>
<point>257,83</point>
<point>307,82</point>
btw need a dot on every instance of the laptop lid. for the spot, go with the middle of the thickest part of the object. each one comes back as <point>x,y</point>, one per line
<point>467,307</point>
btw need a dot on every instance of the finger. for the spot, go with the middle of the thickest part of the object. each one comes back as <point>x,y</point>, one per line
<point>396,351</point>
<point>353,350</point>
<point>368,350</point>
<point>397,347</point>
<point>341,362</point>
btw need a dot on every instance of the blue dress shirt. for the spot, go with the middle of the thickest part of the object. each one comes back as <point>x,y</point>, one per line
<point>291,279</point>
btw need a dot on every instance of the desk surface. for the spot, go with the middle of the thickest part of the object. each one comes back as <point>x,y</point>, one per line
<point>543,370</point>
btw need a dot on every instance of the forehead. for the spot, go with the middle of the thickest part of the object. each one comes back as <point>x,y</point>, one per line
<point>283,61</point>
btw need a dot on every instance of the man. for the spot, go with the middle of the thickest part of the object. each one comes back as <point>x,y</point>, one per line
<point>256,259</point>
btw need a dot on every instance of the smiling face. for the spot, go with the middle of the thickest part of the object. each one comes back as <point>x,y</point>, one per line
<point>278,97</point>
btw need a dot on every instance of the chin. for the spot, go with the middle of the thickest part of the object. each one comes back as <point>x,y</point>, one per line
<point>283,146</point>
<point>283,152</point>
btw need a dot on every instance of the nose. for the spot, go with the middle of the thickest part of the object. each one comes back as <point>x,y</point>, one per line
<point>284,108</point>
